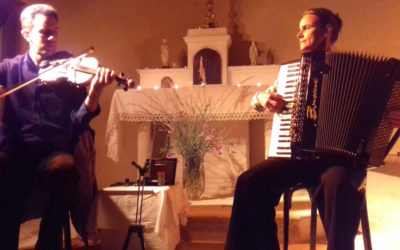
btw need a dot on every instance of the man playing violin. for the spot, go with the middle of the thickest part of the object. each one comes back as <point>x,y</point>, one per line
<point>41,125</point>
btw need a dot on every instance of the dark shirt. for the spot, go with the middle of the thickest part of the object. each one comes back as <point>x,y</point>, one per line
<point>40,117</point>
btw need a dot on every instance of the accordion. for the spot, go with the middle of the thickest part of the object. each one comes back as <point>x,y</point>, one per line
<point>338,107</point>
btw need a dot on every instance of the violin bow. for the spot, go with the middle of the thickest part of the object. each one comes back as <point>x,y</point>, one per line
<point>87,52</point>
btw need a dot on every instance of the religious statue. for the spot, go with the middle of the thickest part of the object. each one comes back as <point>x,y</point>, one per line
<point>253,53</point>
<point>270,57</point>
<point>209,21</point>
<point>164,54</point>
<point>202,72</point>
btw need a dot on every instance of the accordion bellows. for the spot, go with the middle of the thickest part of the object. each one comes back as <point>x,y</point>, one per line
<point>357,93</point>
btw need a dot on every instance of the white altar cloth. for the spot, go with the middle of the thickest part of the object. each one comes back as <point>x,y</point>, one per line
<point>164,209</point>
<point>227,103</point>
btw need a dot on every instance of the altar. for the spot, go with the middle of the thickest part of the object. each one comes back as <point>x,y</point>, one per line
<point>131,112</point>
<point>206,82</point>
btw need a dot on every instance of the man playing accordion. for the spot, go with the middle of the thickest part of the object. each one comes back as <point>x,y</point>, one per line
<point>258,190</point>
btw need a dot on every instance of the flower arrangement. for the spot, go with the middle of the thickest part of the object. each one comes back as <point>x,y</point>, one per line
<point>191,130</point>
<point>191,134</point>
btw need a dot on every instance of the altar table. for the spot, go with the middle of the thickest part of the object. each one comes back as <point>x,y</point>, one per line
<point>164,210</point>
<point>227,103</point>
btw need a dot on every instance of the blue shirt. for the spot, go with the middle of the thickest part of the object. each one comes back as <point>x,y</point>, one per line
<point>40,116</point>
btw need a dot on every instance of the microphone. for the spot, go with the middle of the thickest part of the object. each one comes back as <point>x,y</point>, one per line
<point>143,170</point>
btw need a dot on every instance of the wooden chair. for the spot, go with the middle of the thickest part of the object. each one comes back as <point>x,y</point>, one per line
<point>287,199</point>
<point>79,212</point>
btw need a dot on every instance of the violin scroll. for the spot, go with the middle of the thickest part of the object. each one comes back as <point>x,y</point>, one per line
<point>126,82</point>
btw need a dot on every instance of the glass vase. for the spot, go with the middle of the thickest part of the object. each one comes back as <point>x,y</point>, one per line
<point>193,176</point>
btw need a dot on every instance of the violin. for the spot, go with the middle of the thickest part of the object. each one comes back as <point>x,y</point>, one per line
<point>77,71</point>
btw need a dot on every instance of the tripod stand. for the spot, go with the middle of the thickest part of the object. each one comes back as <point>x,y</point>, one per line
<point>137,227</point>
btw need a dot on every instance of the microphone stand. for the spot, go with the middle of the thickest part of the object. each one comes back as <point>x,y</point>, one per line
<point>137,227</point>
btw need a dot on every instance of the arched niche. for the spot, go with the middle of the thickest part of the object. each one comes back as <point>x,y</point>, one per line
<point>167,82</point>
<point>207,62</point>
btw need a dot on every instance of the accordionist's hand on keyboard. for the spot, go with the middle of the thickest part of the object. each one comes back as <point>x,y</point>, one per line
<point>394,118</point>
<point>275,103</point>
<point>271,101</point>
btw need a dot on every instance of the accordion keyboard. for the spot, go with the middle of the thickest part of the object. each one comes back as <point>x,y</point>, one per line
<point>280,133</point>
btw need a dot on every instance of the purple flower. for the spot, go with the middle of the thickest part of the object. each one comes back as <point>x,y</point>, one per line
<point>218,149</point>
<point>210,138</point>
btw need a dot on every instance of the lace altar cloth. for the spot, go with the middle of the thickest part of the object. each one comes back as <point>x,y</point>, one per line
<point>224,103</point>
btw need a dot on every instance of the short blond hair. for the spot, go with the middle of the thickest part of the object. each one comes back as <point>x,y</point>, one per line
<point>29,13</point>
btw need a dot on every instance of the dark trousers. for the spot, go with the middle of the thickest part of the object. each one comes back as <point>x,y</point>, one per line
<point>258,191</point>
<point>56,175</point>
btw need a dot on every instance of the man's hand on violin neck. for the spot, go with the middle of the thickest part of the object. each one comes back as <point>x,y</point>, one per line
<point>103,78</point>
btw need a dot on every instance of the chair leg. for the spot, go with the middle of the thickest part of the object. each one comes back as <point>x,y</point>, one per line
<point>365,223</point>
<point>287,199</point>
<point>287,204</point>
<point>286,207</point>
<point>86,241</point>
<point>313,226</point>
<point>67,233</point>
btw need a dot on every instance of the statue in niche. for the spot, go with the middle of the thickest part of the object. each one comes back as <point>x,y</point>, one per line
<point>253,53</point>
<point>164,54</point>
<point>202,72</point>
<point>207,67</point>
